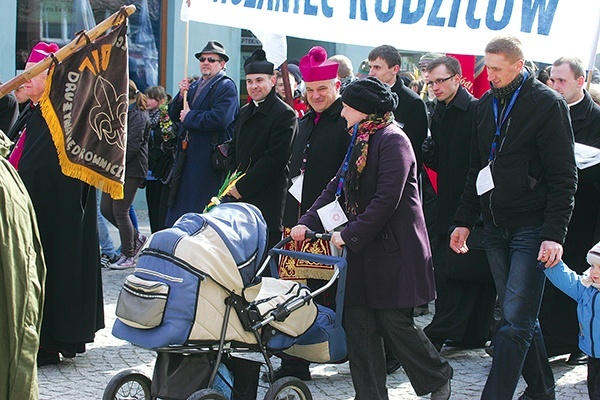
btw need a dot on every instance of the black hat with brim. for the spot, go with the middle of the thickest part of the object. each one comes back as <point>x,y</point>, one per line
<point>214,47</point>
<point>257,63</point>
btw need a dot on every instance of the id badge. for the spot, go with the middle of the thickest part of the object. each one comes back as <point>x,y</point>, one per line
<point>332,215</point>
<point>296,188</point>
<point>485,182</point>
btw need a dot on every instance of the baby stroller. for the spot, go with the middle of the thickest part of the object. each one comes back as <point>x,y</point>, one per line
<point>196,298</point>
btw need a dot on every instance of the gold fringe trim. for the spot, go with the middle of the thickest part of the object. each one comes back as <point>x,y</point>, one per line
<point>68,168</point>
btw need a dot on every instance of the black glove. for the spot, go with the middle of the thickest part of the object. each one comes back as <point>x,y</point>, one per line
<point>430,153</point>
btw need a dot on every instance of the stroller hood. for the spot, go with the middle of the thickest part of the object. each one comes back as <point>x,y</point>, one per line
<point>242,228</point>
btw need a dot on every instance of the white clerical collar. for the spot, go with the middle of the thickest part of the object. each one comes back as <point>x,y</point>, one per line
<point>257,103</point>
<point>577,102</point>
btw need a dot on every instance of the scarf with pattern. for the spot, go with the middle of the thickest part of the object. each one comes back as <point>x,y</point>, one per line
<point>358,158</point>
<point>508,90</point>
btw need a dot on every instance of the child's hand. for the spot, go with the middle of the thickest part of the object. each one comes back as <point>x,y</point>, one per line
<point>550,253</point>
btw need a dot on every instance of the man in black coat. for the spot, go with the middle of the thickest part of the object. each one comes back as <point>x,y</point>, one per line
<point>463,309</point>
<point>317,154</point>
<point>262,145</point>
<point>558,315</point>
<point>522,178</point>
<point>385,62</point>
<point>66,210</point>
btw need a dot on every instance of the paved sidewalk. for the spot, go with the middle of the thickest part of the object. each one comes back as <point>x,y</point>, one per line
<point>86,376</point>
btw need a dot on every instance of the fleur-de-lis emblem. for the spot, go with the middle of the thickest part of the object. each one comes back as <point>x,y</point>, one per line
<point>106,120</point>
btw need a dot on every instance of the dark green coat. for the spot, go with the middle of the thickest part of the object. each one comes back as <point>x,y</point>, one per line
<point>22,274</point>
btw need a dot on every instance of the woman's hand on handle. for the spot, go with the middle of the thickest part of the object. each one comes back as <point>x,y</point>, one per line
<point>337,240</point>
<point>298,233</point>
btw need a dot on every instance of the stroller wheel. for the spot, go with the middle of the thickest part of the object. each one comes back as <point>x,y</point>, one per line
<point>288,388</point>
<point>207,394</point>
<point>128,384</point>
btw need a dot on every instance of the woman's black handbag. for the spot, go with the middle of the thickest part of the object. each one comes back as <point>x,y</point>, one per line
<point>472,266</point>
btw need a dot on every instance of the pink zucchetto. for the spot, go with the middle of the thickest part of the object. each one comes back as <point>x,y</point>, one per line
<point>41,51</point>
<point>316,67</point>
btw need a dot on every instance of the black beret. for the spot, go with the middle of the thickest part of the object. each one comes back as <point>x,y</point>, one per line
<point>257,63</point>
<point>370,95</point>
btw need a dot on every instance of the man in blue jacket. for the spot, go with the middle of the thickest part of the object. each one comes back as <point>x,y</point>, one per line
<point>523,178</point>
<point>208,119</point>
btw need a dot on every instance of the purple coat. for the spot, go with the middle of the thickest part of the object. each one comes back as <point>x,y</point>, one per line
<point>389,258</point>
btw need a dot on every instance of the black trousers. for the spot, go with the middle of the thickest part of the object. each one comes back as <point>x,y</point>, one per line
<point>157,195</point>
<point>593,378</point>
<point>366,329</point>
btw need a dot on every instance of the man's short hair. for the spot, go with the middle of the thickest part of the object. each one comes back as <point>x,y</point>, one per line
<point>509,46</point>
<point>451,64</point>
<point>345,69</point>
<point>388,53</point>
<point>575,65</point>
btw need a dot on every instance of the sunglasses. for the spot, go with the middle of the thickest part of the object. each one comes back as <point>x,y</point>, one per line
<point>209,59</point>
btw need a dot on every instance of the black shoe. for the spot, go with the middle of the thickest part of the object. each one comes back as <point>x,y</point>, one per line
<point>577,358</point>
<point>489,350</point>
<point>549,396</point>
<point>392,365</point>
<point>438,345</point>
<point>46,358</point>
<point>299,371</point>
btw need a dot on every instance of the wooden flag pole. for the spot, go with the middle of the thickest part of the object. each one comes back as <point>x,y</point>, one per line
<point>593,55</point>
<point>66,51</point>
<point>285,75</point>
<point>186,106</point>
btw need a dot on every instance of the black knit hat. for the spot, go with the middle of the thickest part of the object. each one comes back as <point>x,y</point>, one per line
<point>257,63</point>
<point>214,47</point>
<point>370,95</point>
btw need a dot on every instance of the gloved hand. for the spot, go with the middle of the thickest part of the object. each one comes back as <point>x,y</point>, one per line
<point>430,152</point>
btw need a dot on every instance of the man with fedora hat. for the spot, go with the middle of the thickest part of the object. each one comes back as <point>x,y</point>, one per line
<point>207,119</point>
<point>262,143</point>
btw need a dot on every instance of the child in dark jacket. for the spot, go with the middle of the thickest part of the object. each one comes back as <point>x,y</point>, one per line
<point>585,290</point>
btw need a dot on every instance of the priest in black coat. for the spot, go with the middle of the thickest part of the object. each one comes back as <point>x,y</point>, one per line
<point>66,214</point>
<point>262,143</point>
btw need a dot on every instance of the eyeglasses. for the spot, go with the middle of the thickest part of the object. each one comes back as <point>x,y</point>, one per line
<point>441,80</point>
<point>209,59</point>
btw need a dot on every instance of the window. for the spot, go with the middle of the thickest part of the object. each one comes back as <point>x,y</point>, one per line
<point>58,21</point>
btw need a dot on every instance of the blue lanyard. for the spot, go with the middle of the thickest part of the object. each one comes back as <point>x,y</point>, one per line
<point>499,122</point>
<point>338,192</point>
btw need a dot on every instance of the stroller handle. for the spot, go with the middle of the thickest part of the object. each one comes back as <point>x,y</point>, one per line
<point>338,263</point>
<point>318,235</point>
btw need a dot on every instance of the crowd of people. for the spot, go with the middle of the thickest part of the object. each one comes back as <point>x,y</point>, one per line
<point>469,202</point>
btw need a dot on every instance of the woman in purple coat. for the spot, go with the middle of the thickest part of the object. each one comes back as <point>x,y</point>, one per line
<point>389,259</point>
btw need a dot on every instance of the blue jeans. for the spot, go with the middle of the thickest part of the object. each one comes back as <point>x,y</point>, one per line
<point>518,344</point>
<point>106,244</point>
